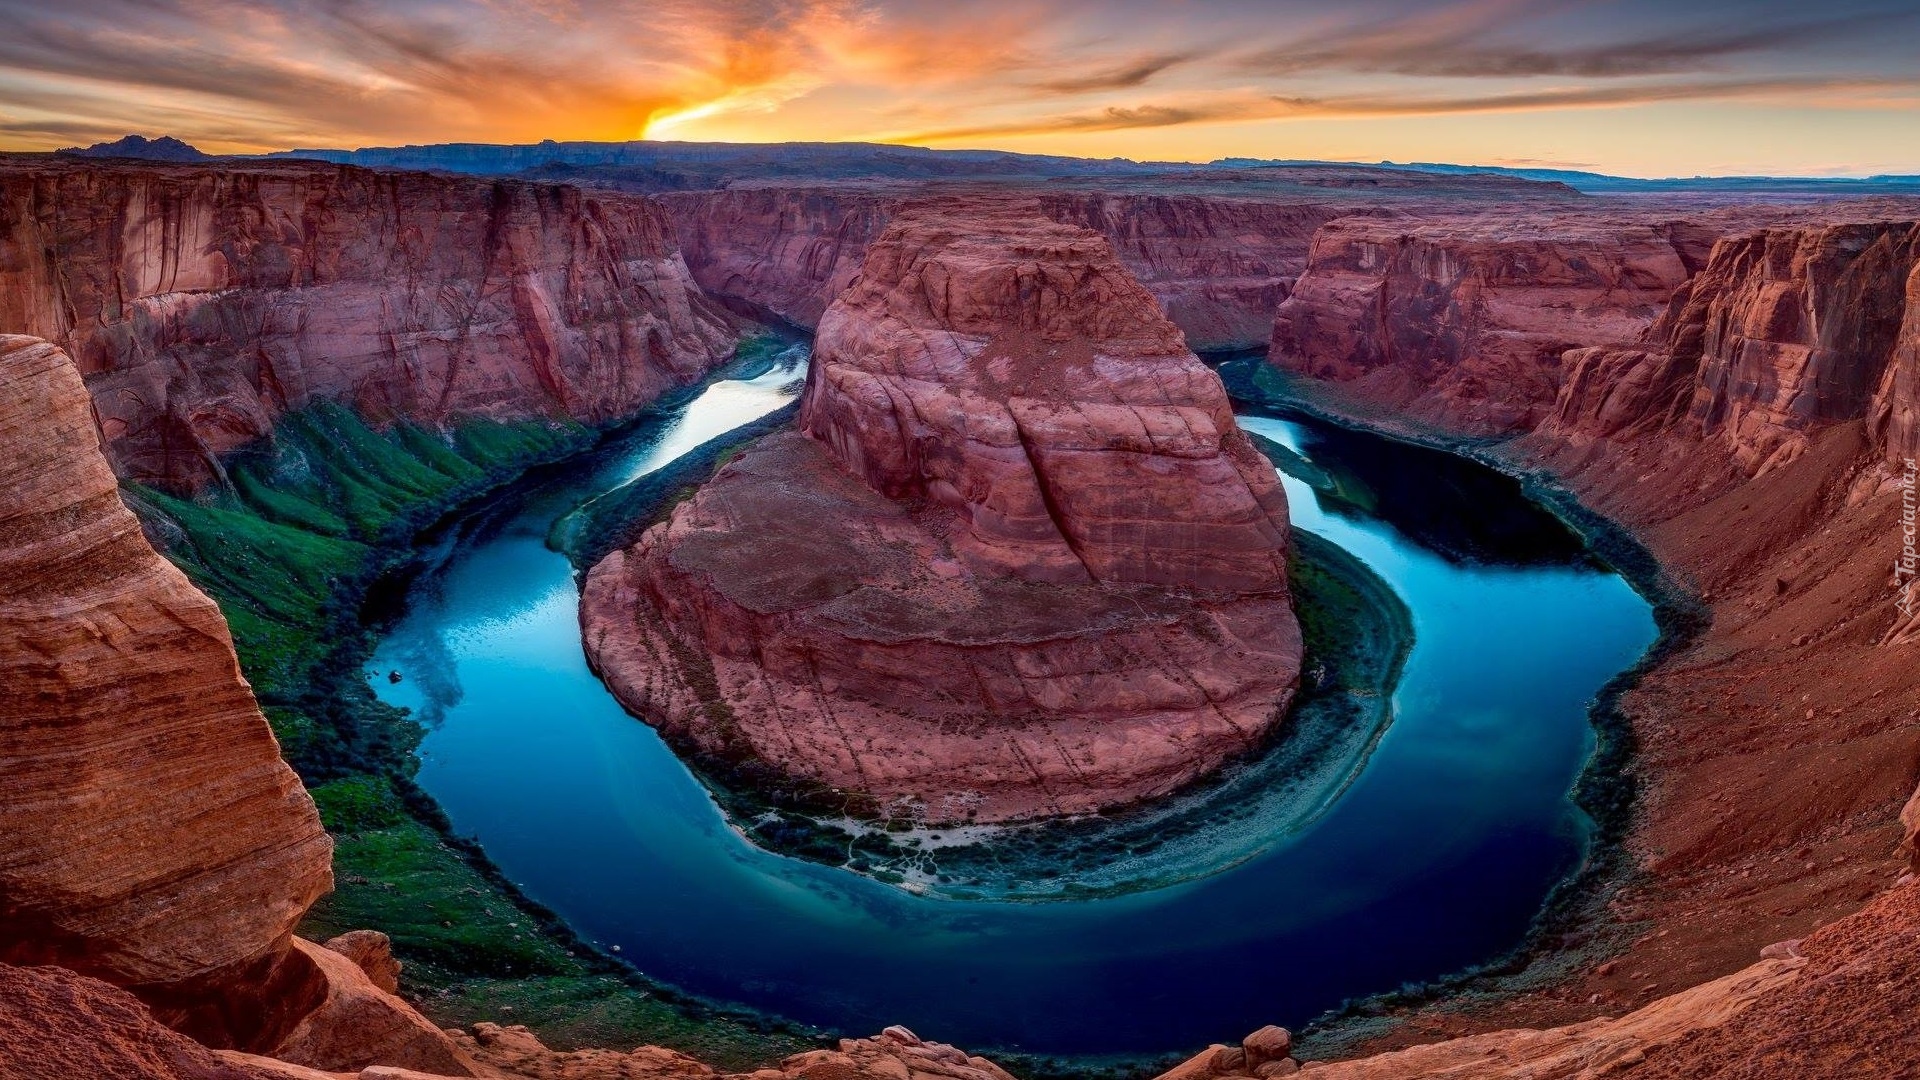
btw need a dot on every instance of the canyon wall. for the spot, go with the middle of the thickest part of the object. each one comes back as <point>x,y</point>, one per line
<point>1019,562</point>
<point>1462,319</point>
<point>1218,265</point>
<point>203,302</point>
<point>1786,332</point>
<point>1754,436</point>
<point>786,252</point>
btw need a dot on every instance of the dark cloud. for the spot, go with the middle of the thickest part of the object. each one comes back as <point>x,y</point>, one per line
<point>1122,76</point>
<point>1479,40</point>
<point>1244,108</point>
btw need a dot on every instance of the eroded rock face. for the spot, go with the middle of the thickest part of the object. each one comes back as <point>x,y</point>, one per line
<point>56,1025</point>
<point>1463,319</point>
<point>785,251</point>
<point>1019,562</point>
<point>345,1021</point>
<point>201,302</point>
<point>1218,265</point>
<point>150,835</point>
<point>1785,333</point>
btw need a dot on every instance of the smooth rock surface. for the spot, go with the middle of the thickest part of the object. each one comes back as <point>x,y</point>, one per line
<point>150,835</point>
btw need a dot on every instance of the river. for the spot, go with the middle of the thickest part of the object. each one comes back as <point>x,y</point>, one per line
<point>1436,856</point>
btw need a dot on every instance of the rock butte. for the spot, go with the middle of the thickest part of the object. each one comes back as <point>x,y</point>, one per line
<point>1019,561</point>
<point>1753,436</point>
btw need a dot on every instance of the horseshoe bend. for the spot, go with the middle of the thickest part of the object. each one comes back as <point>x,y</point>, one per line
<point>657,610</point>
<point>1017,560</point>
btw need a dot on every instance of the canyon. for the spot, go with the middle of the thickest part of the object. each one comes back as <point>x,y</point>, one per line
<point>1018,560</point>
<point>1733,383</point>
<point>202,303</point>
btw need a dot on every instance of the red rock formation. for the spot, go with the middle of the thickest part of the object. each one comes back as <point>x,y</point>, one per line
<point>1026,564</point>
<point>1463,319</point>
<point>787,252</point>
<point>895,1054</point>
<point>1895,414</point>
<point>150,834</point>
<point>346,1022</point>
<point>1785,332</point>
<point>201,302</point>
<point>1753,438</point>
<point>56,1025</point>
<point>1219,265</point>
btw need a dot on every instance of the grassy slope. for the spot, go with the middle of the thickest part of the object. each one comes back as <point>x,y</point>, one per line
<point>289,547</point>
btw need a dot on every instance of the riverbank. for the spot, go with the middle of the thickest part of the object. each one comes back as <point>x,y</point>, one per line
<point>302,546</point>
<point>1773,674</point>
<point>1574,931</point>
<point>770,880</point>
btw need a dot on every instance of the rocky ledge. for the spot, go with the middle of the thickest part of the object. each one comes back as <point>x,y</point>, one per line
<point>1018,562</point>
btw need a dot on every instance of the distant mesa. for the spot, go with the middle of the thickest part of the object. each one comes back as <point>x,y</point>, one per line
<point>164,148</point>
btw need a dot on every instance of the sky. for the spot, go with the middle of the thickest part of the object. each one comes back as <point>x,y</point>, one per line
<point>1632,87</point>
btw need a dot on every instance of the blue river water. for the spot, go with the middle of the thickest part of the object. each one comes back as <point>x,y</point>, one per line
<point>1436,857</point>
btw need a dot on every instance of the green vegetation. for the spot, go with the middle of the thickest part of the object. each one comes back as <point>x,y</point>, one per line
<point>291,545</point>
<point>293,541</point>
<point>474,952</point>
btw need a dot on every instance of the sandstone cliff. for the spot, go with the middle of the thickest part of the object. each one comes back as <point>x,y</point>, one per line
<point>150,835</point>
<point>202,302</point>
<point>1217,264</point>
<point>149,832</point>
<point>1462,319</point>
<point>1021,562</point>
<point>1754,438</point>
<point>1785,332</point>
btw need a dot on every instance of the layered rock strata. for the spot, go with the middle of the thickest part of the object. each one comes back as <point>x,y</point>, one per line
<point>202,302</point>
<point>1218,265</point>
<point>1019,561</point>
<point>150,835</point>
<point>1786,332</point>
<point>1754,439</point>
<point>1462,319</point>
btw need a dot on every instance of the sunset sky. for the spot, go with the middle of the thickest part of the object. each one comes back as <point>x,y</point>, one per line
<point>1637,87</point>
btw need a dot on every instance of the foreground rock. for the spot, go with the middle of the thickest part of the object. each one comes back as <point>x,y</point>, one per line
<point>56,1025</point>
<point>1020,562</point>
<point>203,301</point>
<point>150,835</point>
